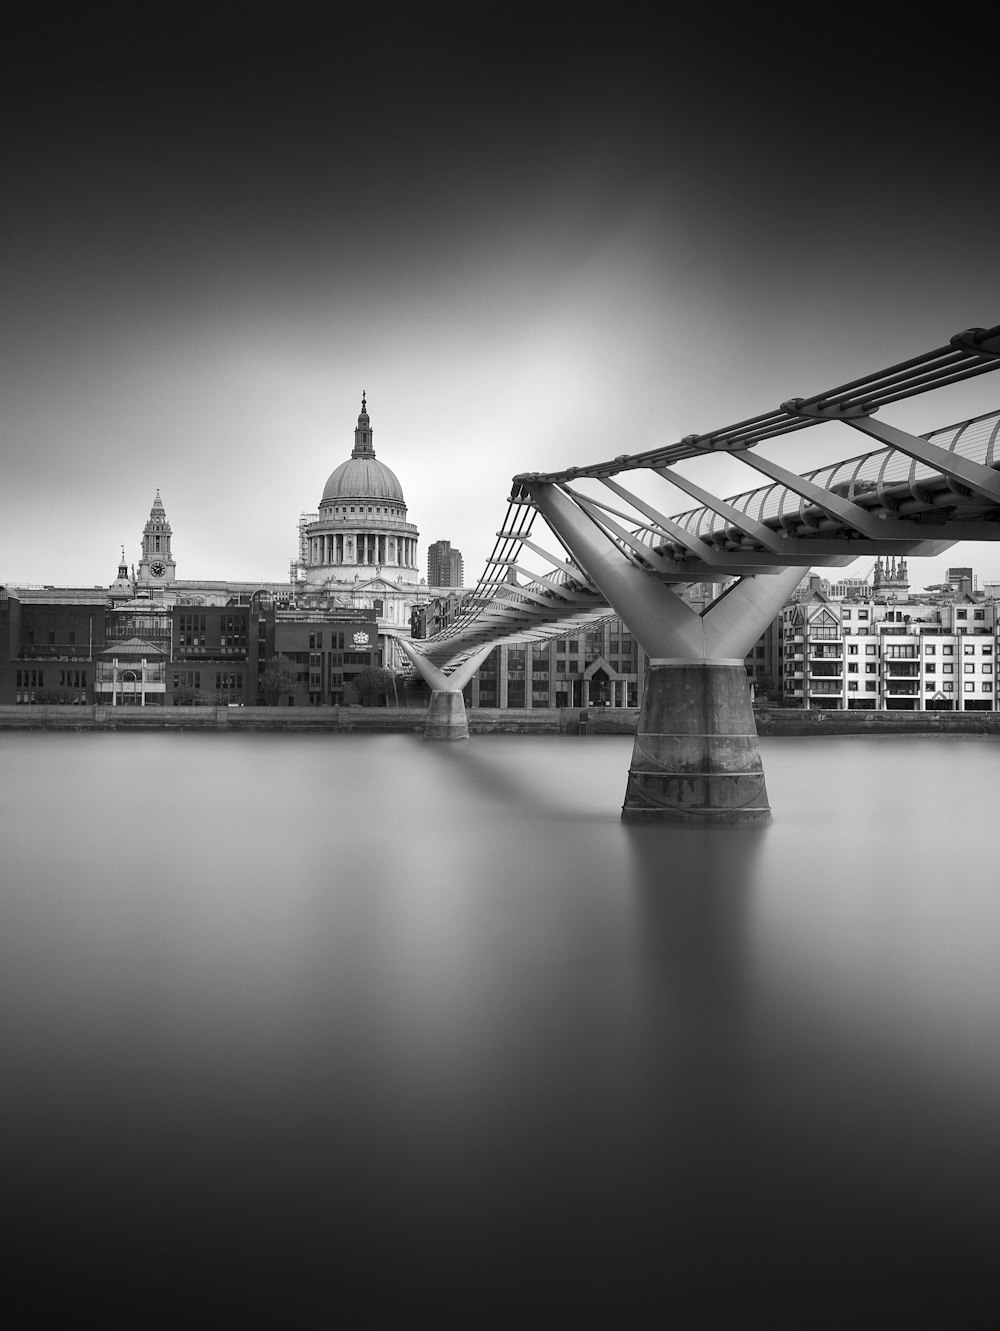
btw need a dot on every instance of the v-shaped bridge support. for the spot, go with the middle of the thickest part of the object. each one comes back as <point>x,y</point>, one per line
<point>446,716</point>
<point>696,757</point>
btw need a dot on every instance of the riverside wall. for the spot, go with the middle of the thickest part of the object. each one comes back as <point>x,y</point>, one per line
<point>482,720</point>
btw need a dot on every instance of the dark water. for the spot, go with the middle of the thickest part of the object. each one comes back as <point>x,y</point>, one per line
<point>301,1028</point>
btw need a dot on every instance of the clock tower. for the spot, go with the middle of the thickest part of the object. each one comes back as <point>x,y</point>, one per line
<point>157,564</point>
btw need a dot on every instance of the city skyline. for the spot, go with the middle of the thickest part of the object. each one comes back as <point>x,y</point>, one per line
<point>532,250</point>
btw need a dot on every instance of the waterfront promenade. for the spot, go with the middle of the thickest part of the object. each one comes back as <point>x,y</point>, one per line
<point>770,721</point>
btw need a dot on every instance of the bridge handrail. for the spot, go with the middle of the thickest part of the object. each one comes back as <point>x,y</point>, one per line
<point>865,479</point>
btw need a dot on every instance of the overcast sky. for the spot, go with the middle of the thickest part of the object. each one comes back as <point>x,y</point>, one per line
<point>534,244</point>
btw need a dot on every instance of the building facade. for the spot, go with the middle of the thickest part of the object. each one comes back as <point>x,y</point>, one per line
<point>894,652</point>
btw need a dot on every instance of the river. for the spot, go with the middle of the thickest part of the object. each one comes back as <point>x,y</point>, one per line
<point>423,1032</point>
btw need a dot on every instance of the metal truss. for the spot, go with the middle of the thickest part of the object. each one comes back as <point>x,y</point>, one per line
<point>915,495</point>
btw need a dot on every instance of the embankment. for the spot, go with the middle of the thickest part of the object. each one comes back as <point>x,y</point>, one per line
<point>482,720</point>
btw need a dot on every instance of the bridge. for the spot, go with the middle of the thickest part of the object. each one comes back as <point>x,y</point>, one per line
<point>610,547</point>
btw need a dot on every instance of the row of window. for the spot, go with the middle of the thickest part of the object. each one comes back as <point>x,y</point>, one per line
<point>847,613</point>
<point>902,651</point>
<point>341,510</point>
<point>337,637</point>
<point>930,668</point>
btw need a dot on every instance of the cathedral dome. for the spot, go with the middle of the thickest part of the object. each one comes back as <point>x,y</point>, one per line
<point>362,477</point>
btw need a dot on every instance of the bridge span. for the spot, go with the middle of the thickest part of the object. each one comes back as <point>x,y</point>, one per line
<point>611,547</point>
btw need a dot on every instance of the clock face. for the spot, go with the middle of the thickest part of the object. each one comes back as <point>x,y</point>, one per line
<point>157,568</point>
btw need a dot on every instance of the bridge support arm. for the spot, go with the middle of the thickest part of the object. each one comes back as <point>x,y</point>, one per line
<point>656,616</point>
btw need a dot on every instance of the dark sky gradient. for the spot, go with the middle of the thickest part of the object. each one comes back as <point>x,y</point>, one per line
<point>535,241</point>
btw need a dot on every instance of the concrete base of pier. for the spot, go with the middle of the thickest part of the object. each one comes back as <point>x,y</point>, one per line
<point>446,718</point>
<point>696,758</point>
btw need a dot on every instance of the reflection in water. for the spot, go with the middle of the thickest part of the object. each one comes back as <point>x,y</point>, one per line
<point>425,1028</point>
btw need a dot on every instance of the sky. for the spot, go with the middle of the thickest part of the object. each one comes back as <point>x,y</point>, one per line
<point>535,236</point>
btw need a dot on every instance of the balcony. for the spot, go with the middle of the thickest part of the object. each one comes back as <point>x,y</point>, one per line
<point>824,690</point>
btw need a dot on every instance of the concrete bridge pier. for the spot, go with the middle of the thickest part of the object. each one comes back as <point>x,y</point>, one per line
<point>696,758</point>
<point>446,717</point>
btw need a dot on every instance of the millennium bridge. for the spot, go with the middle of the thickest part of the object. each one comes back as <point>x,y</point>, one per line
<point>607,546</point>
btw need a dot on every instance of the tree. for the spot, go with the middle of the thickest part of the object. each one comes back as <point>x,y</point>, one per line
<point>278,678</point>
<point>185,695</point>
<point>373,684</point>
<point>766,688</point>
<point>55,695</point>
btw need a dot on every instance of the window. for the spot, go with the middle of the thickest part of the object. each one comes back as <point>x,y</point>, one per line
<point>930,650</point>
<point>970,688</point>
<point>987,687</point>
<point>870,687</point>
<point>852,650</point>
<point>191,630</point>
<point>961,614</point>
<point>947,670</point>
<point>870,669</point>
<point>862,614</point>
<point>930,669</point>
<point>979,614</point>
<point>852,669</point>
<point>987,649</point>
<point>987,670</point>
<point>969,649</point>
<point>970,669</point>
<point>947,687</point>
<point>948,651</point>
<point>870,649</point>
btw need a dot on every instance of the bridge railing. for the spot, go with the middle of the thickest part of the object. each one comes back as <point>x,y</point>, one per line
<point>883,477</point>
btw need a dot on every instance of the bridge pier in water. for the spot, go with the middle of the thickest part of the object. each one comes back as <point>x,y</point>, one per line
<point>696,757</point>
<point>446,717</point>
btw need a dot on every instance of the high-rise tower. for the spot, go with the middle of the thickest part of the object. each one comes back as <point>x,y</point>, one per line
<point>445,566</point>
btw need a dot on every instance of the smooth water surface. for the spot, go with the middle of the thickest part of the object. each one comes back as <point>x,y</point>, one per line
<point>360,1022</point>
